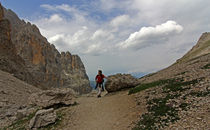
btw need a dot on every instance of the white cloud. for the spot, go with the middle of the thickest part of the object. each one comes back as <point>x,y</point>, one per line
<point>120,20</point>
<point>94,31</point>
<point>147,36</point>
<point>55,18</point>
<point>72,11</point>
<point>94,49</point>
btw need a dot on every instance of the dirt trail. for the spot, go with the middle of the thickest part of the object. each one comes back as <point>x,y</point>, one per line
<point>110,112</point>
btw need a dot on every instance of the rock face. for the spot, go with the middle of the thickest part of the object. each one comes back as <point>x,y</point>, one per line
<point>44,66</point>
<point>120,81</point>
<point>201,48</point>
<point>43,118</point>
<point>53,98</point>
<point>9,60</point>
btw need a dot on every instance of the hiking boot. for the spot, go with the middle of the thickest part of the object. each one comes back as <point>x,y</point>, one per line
<point>99,96</point>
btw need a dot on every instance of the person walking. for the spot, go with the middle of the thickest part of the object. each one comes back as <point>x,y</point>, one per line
<point>99,82</point>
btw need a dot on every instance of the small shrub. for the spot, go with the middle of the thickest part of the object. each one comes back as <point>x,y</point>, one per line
<point>207,66</point>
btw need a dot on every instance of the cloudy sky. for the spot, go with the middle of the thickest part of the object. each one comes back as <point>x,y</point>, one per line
<point>126,36</point>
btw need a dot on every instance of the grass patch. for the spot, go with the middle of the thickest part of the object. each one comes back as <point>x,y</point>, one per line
<point>200,94</point>
<point>207,66</point>
<point>175,86</point>
<point>147,85</point>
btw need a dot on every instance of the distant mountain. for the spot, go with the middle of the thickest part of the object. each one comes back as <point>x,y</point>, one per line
<point>41,63</point>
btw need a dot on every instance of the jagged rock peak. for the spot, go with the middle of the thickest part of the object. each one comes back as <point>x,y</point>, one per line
<point>46,65</point>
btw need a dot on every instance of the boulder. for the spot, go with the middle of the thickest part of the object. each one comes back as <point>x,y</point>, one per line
<point>53,98</point>
<point>120,81</point>
<point>43,118</point>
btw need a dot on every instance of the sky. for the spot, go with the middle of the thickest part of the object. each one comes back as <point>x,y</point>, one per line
<point>119,36</point>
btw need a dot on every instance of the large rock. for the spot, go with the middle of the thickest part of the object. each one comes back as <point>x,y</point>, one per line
<point>120,81</point>
<point>43,118</point>
<point>53,98</point>
<point>45,66</point>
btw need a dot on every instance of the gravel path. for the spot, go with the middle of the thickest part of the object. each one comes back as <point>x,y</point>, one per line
<point>115,111</point>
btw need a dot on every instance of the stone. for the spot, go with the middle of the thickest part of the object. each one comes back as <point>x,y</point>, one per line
<point>120,81</point>
<point>43,118</point>
<point>53,98</point>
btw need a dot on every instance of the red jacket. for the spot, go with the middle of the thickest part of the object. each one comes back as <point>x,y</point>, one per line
<point>99,78</point>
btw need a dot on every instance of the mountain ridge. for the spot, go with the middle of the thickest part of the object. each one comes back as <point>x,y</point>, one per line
<point>48,67</point>
<point>201,48</point>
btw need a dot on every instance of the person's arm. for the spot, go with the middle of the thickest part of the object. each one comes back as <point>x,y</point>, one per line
<point>105,77</point>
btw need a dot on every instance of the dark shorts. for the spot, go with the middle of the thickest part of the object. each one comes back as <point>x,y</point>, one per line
<point>99,85</point>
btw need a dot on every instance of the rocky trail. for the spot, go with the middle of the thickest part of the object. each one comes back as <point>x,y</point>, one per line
<point>116,111</point>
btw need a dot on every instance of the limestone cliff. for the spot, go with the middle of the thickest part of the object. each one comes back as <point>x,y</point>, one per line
<point>9,60</point>
<point>46,66</point>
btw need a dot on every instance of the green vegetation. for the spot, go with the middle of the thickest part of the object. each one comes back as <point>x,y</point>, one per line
<point>159,114</point>
<point>160,110</point>
<point>207,66</point>
<point>183,106</point>
<point>200,94</point>
<point>177,85</point>
<point>181,73</point>
<point>147,85</point>
<point>21,124</point>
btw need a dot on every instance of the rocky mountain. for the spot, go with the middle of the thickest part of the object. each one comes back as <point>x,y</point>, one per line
<point>33,59</point>
<point>201,48</point>
<point>197,57</point>
<point>177,97</point>
<point>9,60</point>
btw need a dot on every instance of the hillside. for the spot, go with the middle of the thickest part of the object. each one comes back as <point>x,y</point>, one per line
<point>14,95</point>
<point>178,97</point>
<point>201,48</point>
<point>42,64</point>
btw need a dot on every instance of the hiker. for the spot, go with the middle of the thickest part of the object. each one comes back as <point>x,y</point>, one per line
<point>99,82</point>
